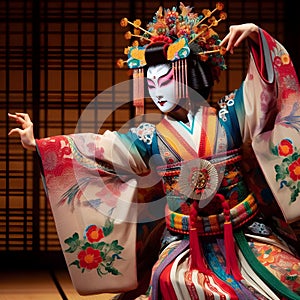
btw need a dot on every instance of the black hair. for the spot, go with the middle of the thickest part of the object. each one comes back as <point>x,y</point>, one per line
<point>156,54</point>
<point>200,77</point>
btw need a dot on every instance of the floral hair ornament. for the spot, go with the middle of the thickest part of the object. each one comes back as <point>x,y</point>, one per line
<point>180,33</point>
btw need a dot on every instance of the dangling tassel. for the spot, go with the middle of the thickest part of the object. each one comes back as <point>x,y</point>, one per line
<point>180,78</point>
<point>196,254</point>
<point>197,257</point>
<point>232,266</point>
<point>138,91</point>
<point>176,78</point>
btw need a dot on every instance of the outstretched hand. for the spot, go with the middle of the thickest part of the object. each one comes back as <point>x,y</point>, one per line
<point>26,132</point>
<point>238,33</point>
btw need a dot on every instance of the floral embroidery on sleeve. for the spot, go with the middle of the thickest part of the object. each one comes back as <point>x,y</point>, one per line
<point>144,132</point>
<point>57,155</point>
<point>288,172</point>
<point>93,252</point>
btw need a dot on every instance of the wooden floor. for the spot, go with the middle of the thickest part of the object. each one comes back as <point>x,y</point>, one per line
<point>40,284</point>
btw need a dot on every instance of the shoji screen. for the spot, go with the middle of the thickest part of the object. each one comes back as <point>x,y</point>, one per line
<point>55,57</point>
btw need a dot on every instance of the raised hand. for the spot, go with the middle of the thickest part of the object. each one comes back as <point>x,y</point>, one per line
<point>26,132</point>
<point>238,33</point>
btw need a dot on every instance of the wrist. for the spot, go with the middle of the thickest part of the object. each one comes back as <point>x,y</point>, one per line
<point>254,33</point>
<point>30,146</point>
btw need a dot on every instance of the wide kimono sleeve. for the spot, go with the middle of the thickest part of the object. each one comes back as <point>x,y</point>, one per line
<point>91,183</point>
<point>269,116</point>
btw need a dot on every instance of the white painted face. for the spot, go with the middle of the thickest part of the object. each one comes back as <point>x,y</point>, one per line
<point>161,86</point>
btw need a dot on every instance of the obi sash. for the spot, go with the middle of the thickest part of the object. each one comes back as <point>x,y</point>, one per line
<point>243,204</point>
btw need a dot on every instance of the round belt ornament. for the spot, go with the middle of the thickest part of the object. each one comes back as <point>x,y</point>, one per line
<point>198,180</point>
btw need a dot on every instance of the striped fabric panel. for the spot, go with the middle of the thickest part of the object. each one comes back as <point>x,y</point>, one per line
<point>175,140</point>
<point>190,284</point>
<point>208,136</point>
<point>213,224</point>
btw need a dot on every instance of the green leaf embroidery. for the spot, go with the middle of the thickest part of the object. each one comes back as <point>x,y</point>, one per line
<point>73,243</point>
<point>75,263</point>
<point>93,252</point>
<point>108,227</point>
<point>112,270</point>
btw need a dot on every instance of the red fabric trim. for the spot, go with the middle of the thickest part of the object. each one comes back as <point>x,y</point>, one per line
<point>203,137</point>
<point>225,287</point>
<point>166,286</point>
<point>259,55</point>
<point>190,285</point>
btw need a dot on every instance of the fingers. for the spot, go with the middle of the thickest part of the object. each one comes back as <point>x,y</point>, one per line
<point>229,41</point>
<point>14,131</point>
<point>225,40</point>
<point>238,33</point>
<point>25,116</point>
<point>21,118</point>
<point>239,39</point>
<point>233,38</point>
<point>26,132</point>
<point>17,116</point>
<point>11,116</point>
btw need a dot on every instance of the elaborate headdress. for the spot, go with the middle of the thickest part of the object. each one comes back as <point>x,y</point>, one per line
<point>177,35</point>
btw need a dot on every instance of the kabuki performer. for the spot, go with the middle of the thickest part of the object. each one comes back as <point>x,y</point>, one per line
<point>218,216</point>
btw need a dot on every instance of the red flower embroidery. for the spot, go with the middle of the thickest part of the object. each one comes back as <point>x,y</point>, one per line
<point>92,254</point>
<point>294,169</point>
<point>285,148</point>
<point>89,258</point>
<point>55,152</point>
<point>94,234</point>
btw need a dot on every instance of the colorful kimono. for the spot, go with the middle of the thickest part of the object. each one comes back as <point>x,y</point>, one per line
<point>123,203</point>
